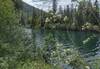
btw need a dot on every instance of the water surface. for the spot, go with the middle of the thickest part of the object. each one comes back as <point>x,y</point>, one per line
<point>89,50</point>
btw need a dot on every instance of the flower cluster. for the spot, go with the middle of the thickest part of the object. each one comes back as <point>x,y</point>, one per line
<point>97,28</point>
<point>65,19</point>
<point>87,26</point>
<point>66,56</point>
<point>47,20</point>
<point>55,20</point>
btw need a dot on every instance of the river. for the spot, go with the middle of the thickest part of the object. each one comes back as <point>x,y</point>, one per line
<point>86,43</point>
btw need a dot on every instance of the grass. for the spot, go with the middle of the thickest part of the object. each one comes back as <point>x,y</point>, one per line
<point>96,64</point>
<point>37,64</point>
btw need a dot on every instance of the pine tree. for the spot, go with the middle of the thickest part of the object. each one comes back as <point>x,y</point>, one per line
<point>61,11</point>
<point>54,6</point>
<point>96,13</point>
<point>17,4</point>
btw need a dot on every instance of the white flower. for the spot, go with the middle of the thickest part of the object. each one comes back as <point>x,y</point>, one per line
<point>67,62</point>
<point>83,28</point>
<point>52,13</point>
<point>51,18</point>
<point>55,20</point>
<point>54,64</point>
<point>87,67</point>
<point>87,23</point>
<point>65,18</point>
<point>47,20</point>
<point>53,52</point>
<point>59,44</point>
<point>69,59</point>
<point>68,49</point>
<point>64,50</point>
<point>95,27</point>
<point>88,27</point>
<point>35,64</point>
<point>73,24</point>
<point>54,16</point>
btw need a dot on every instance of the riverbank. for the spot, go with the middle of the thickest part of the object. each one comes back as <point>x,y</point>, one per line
<point>71,29</point>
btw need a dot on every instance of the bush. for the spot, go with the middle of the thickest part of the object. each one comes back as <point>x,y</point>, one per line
<point>37,64</point>
<point>15,44</point>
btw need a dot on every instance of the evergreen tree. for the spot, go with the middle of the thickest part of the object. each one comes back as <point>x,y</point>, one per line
<point>54,5</point>
<point>68,11</point>
<point>96,12</point>
<point>17,4</point>
<point>61,11</point>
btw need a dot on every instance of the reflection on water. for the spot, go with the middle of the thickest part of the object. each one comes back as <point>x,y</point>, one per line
<point>89,50</point>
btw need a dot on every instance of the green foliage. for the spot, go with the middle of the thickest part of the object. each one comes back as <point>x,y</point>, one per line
<point>15,44</point>
<point>84,16</point>
<point>54,20</point>
<point>18,49</point>
<point>37,64</point>
<point>96,64</point>
<point>87,26</point>
<point>55,53</point>
<point>17,4</point>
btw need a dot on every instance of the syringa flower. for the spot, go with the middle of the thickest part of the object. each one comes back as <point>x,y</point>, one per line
<point>65,18</point>
<point>47,20</point>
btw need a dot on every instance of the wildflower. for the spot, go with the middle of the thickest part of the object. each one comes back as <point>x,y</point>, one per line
<point>69,59</point>
<point>73,24</point>
<point>47,20</point>
<point>52,13</point>
<point>55,20</point>
<point>51,18</point>
<point>68,49</point>
<point>67,62</point>
<point>54,16</point>
<point>35,64</point>
<point>54,64</point>
<point>88,27</point>
<point>64,50</point>
<point>95,27</point>
<point>87,67</point>
<point>58,44</point>
<point>63,53</point>
<point>53,52</point>
<point>65,18</point>
<point>87,24</point>
<point>83,28</point>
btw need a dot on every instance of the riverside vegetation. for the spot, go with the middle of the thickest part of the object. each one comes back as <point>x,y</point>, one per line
<point>19,50</point>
